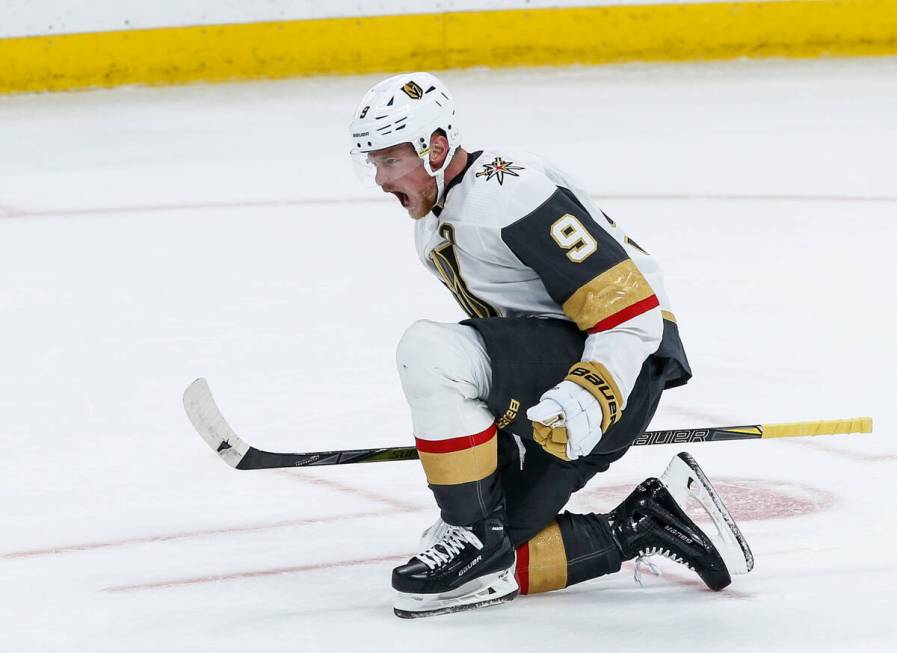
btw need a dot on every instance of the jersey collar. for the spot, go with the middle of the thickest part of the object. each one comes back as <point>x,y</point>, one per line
<point>471,159</point>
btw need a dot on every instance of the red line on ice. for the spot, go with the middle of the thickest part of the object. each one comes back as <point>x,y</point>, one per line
<point>259,204</point>
<point>251,574</point>
<point>853,455</point>
<point>261,573</point>
<point>377,497</point>
<point>148,539</point>
<point>746,499</point>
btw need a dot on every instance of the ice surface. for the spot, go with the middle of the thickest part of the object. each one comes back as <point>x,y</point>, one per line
<point>150,236</point>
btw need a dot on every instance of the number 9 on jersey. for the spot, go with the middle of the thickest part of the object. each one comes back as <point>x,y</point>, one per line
<point>570,234</point>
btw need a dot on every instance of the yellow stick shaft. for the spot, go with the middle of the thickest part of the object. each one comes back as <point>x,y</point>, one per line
<point>822,427</point>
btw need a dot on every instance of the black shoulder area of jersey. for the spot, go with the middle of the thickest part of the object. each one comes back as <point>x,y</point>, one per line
<point>471,159</point>
<point>553,244</point>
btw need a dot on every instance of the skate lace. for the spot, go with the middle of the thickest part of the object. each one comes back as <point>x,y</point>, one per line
<point>646,553</point>
<point>453,542</point>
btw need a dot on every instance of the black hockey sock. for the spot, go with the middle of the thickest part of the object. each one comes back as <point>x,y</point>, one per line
<point>570,550</point>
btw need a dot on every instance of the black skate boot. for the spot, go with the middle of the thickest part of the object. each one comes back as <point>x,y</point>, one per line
<point>652,520</point>
<point>468,568</point>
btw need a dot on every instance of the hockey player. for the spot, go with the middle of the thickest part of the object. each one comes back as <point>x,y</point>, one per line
<point>569,345</point>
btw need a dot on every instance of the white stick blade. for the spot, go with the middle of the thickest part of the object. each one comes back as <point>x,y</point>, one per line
<point>210,423</point>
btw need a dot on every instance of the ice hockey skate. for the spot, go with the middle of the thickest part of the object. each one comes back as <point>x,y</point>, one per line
<point>652,521</point>
<point>467,568</point>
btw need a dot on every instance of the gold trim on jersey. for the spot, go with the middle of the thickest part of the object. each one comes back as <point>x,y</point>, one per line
<point>668,316</point>
<point>464,466</point>
<point>547,560</point>
<point>445,259</point>
<point>607,294</point>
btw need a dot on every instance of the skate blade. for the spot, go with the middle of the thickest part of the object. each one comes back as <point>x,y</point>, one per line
<point>482,592</point>
<point>684,478</point>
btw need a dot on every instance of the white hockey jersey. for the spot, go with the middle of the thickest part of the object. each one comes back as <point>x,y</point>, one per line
<point>518,237</point>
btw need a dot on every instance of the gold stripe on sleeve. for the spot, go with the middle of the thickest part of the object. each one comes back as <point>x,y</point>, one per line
<point>607,294</point>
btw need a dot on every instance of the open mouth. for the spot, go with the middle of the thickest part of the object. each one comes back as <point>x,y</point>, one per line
<point>404,200</point>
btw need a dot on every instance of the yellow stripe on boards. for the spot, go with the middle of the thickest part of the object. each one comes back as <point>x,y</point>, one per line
<point>220,52</point>
<point>527,37</point>
<point>669,32</point>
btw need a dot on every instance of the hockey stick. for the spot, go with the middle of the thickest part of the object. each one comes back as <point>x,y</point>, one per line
<point>214,429</point>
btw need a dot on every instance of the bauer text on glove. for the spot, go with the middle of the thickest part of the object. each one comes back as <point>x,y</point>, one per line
<point>571,417</point>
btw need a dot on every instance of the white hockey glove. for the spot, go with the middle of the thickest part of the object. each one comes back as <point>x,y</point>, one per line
<point>570,419</point>
<point>566,421</point>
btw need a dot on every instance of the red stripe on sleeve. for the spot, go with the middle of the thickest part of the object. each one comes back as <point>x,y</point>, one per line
<point>455,444</point>
<point>521,570</point>
<point>627,313</point>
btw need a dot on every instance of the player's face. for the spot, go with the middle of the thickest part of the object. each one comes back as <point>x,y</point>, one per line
<point>400,171</point>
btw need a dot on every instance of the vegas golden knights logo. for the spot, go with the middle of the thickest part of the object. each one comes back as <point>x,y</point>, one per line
<point>498,169</point>
<point>446,262</point>
<point>413,91</point>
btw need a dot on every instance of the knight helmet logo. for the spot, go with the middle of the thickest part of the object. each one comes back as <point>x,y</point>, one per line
<point>413,91</point>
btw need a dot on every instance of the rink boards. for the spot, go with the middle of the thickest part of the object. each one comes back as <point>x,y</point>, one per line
<point>460,35</point>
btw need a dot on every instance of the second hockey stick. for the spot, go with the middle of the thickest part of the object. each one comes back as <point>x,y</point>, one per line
<point>214,429</point>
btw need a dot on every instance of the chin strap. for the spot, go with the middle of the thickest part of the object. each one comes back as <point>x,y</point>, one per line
<point>440,187</point>
<point>439,175</point>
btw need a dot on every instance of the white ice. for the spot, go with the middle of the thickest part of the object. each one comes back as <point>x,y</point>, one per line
<point>149,236</point>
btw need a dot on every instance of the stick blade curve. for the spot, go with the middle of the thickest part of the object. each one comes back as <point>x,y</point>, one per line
<point>208,421</point>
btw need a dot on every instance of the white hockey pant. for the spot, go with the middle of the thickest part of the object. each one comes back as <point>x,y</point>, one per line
<point>446,376</point>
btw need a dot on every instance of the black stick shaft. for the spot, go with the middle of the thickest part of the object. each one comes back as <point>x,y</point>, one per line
<point>258,459</point>
<point>217,433</point>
